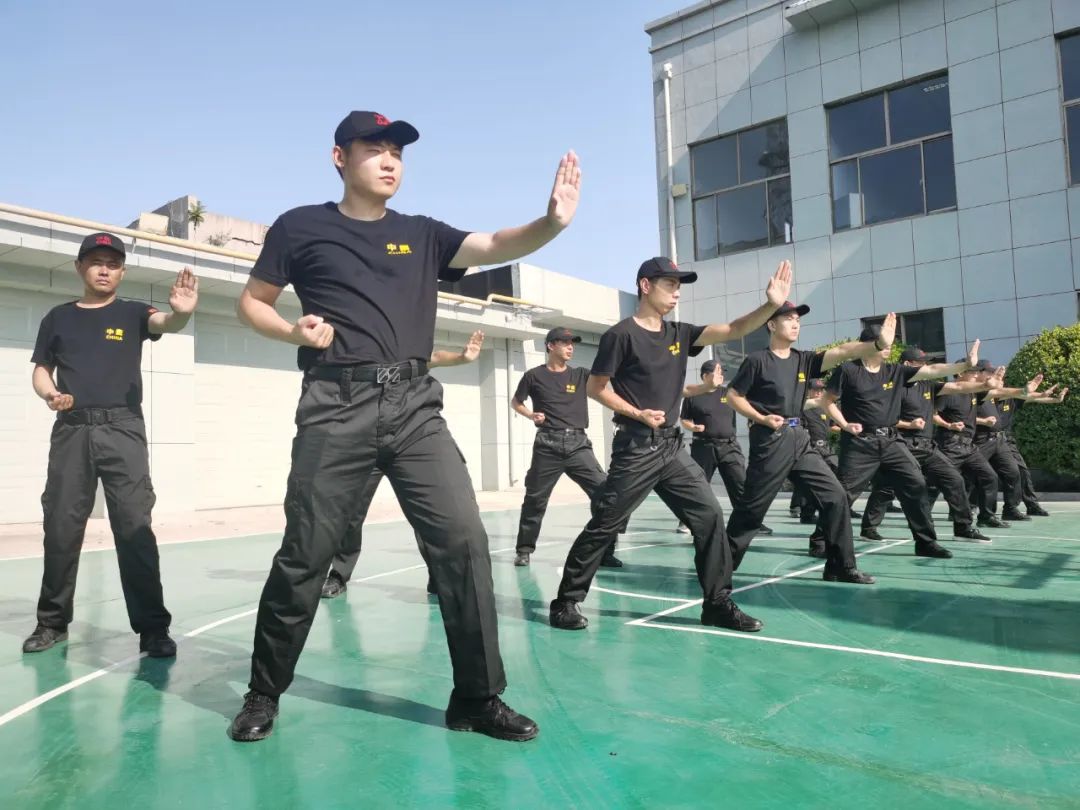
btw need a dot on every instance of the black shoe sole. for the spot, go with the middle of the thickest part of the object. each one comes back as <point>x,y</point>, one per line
<point>934,554</point>
<point>335,595</point>
<point>57,640</point>
<point>465,725</point>
<point>608,564</point>
<point>754,628</point>
<point>877,539</point>
<point>568,627</point>
<point>843,581</point>
<point>250,736</point>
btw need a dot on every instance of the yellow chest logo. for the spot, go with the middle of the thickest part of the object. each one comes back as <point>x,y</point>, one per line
<point>723,399</point>
<point>926,395</point>
<point>888,386</point>
<point>397,250</point>
<point>974,401</point>
<point>824,417</point>
<point>1004,407</point>
<point>114,334</point>
<point>675,348</point>
<point>571,388</point>
<point>802,377</point>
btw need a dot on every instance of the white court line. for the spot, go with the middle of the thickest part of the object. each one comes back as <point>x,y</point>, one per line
<point>763,583</point>
<point>949,662</point>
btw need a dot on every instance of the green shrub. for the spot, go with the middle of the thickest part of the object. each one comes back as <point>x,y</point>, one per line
<point>1049,435</point>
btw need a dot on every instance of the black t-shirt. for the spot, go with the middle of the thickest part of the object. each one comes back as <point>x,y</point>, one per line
<point>96,351</point>
<point>1000,410</point>
<point>560,396</point>
<point>775,385</point>
<point>1007,409</point>
<point>918,403</point>
<point>817,423</point>
<point>647,369</point>
<point>376,283</point>
<point>712,411</point>
<point>871,398</point>
<point>958,408</point>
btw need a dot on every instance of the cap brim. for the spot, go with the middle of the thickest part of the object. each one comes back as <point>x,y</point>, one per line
<point>400,132</point>
<point>800,310</point>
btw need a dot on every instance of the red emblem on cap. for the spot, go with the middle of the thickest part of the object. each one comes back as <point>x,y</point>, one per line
<point>104,240</point>
<point>382,120</point>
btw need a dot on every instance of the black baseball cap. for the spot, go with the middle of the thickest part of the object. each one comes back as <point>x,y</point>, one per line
<point>561,333</point>
<point>102,240</point>
<point>982,365</point>
<point>663,267</point>
<point>708,367</point>
<point>912,353</point>
<point>872,332</point>
<point>817,384</point>
<point>787,307</point>
<point>373,126</point>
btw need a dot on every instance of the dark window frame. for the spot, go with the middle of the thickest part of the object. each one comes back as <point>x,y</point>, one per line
<point>763,182</point>
<point>902,330</point>
<point>1066,105</point>
<point>920,141</point>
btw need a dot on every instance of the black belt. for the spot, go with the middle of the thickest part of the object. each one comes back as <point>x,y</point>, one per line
<point>543,429</point>
<point>381,375</point>
<point>98,416</point>
<point>789,421</point>
<point>639,429</point>
<point>714,440</point>
<point>986,438</point>
<point>884,432</point>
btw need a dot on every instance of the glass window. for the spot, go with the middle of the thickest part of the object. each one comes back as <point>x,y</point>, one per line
<point>741,219</point>
<point>847,202</point>
<point>940,172</point>
<point>857,126</point>
<point>897,171</point>
<point>780,211</point>
<point>1070,67</point>
<point>763,152</point>
<point>715,165</point>
<point>741,188</point>
<point>925,330</point>
<point>1072,124</point>
<point>705,228</point>
<point>892,184</point>
<point>919,110</point>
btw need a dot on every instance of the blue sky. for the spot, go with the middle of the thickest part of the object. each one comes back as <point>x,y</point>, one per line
<point>114,108</point>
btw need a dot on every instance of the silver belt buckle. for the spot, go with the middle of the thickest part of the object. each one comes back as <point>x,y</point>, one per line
<point>387,374</point>
<point>793,422</point>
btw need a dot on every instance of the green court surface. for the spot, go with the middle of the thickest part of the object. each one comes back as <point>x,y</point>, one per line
<point>948,684</point>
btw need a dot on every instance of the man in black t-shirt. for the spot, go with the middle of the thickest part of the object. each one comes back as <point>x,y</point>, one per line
<point>639,373</point>
<point>990,421</point>
<point>711,421</point>
<point>94,347</point>
<point>916,427</point>
<point>769,390</point>
<point>955,419</point>
<point>560,411</point>
<point>1007,411</point>
<point>341,570</point>
<point>367,279</point>
<point>820,427</point>
<point>864,398</point>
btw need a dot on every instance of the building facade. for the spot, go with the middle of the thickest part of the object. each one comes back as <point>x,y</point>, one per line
<point>920,156</point>
<point>219,400</point>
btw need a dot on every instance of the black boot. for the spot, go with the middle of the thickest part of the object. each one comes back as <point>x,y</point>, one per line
<point>489,716</point>
<point>256,719</point>
<point>817,547</point>
<point>852,576</point>
<point>611,561</point>
<point>334,586</point>
<point>566,615</point>
<point>993,522</point>
<point>765,531</point>
<point>968,533</point>
<point>871,533</point>
<point>727,614</point>
<point>1034,510</point>
<point>932,549</point>
<point>521,559</point>
<point>1013,514</point>
<point>157,644</point>
<point>43,638</point>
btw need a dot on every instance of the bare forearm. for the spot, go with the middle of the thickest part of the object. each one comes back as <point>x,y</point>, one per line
<point>441,358</point>
<point>508,244</point>
<point>613,402</point>
<point>941,423</point>
<point>521,409</point>
<point>175,322</point>
<point>963,387</point>
<point>833,410</point>
<point>855,350</point>
<point>1008,393</point>
<point>42,381</point>
<point>746,324</point>
<point>697,389</point>
<point>687,423</point>
<point>935,371</point>
<point>743,407</point>
<point>265,320</point>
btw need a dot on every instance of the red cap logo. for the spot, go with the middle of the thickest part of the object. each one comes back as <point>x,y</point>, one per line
<point>382,120</point>
<point>104,240</point>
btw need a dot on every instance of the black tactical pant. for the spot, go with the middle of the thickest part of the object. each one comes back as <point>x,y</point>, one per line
<point>1000,456</point>
<point>966,458</point>
<point>88,444</point>
<point>882,456</point>
<point>641,461</point>
<point>347,556</point>
<point>775,455</point>
<point>725,456</point>
<point>1027,486</point>
<point>345,430</point>
<point>799,499</point>
<point>940,474</point>
<point>555,452</point>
